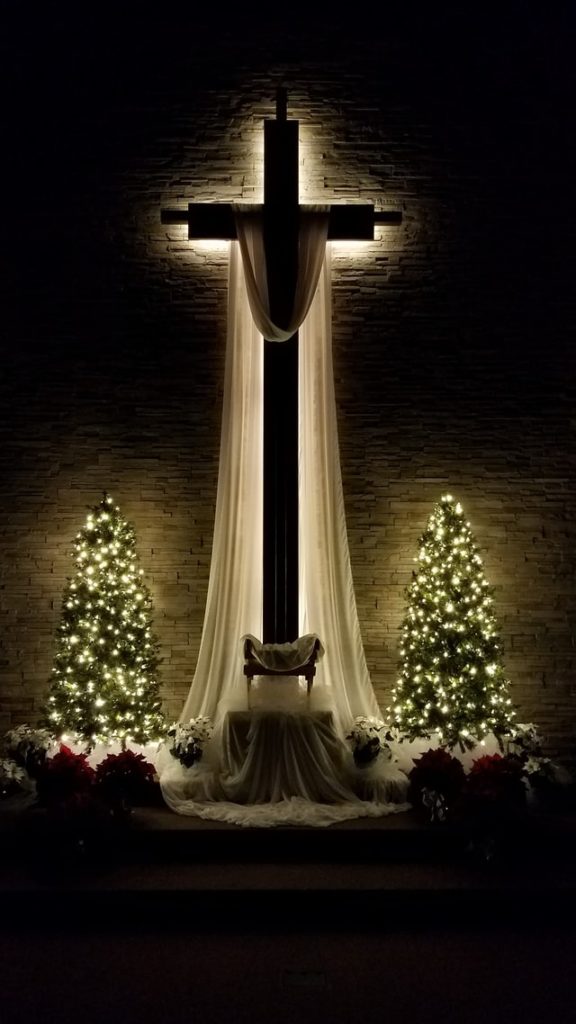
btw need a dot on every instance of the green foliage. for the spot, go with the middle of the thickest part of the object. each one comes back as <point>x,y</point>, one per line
<point>104,682</point>
<point>452,681</point>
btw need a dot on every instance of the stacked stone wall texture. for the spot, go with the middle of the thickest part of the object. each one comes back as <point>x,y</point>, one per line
<point>452,333</point>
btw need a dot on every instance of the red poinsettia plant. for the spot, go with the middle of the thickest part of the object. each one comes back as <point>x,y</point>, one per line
<point>125,776</point>
<point>65,781</point>
<point>439,772</point>
<point>496,780</point>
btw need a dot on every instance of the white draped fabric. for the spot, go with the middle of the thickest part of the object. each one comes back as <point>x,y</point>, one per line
<point>342,687</point>
<point>234,600</point>
<point>286,657</point>
<point>311,245</point>
<point>327,600</point>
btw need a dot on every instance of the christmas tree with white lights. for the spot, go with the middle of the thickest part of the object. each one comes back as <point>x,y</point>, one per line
<point>104,682</point>
<point>452,682</point>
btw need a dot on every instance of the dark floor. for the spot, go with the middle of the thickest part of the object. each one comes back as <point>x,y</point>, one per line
<point>178,920</point>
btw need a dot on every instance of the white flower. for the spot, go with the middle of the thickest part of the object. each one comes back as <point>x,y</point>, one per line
<point>25,740</point>
<point>536,765</point>
<point>524,740</point>
<point>368,736</point>
<point>189,739</point>
<point>11,774</point>
<point>27,745</point>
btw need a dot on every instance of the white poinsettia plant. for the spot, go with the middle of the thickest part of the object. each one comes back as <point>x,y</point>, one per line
<point>189,739</point>
<point>369,740</point>
<point>524,740</point>
<point>12,777</point>
<point>526,743</point>
<point>27,746</point>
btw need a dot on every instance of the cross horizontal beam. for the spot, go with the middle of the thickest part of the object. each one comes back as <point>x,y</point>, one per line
<point>216,220</point>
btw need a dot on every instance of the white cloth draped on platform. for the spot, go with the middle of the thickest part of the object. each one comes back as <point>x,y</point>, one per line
<point>281,767</point>
<point>234,602</point>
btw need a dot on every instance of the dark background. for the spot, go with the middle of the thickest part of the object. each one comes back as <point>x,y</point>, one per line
<point>453,341</point>
<point>454,370</point>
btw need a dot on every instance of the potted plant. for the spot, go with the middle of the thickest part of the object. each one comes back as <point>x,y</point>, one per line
<point>124,780</point>
<point>28,747</point>
<point>436,783</point>
<point>547,783</point>
<point>189,739</point>
<point>368,740</point>
<point>65,784</point>
<point>12,778</point>
<point>495,786</point>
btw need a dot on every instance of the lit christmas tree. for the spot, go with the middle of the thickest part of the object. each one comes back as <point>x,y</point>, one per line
<point>452,681</point>
<point>104,682</point>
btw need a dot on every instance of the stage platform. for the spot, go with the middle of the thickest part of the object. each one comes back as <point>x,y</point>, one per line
<point>175,918</point>
<point>159,865</point>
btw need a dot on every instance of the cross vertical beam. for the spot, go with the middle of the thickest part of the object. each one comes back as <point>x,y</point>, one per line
<point>281,223</point>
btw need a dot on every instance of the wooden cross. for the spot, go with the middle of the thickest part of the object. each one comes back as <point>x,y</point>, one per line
<point>280,227</point>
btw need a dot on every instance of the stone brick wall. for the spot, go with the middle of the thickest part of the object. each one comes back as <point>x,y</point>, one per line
<point>451,333</point>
